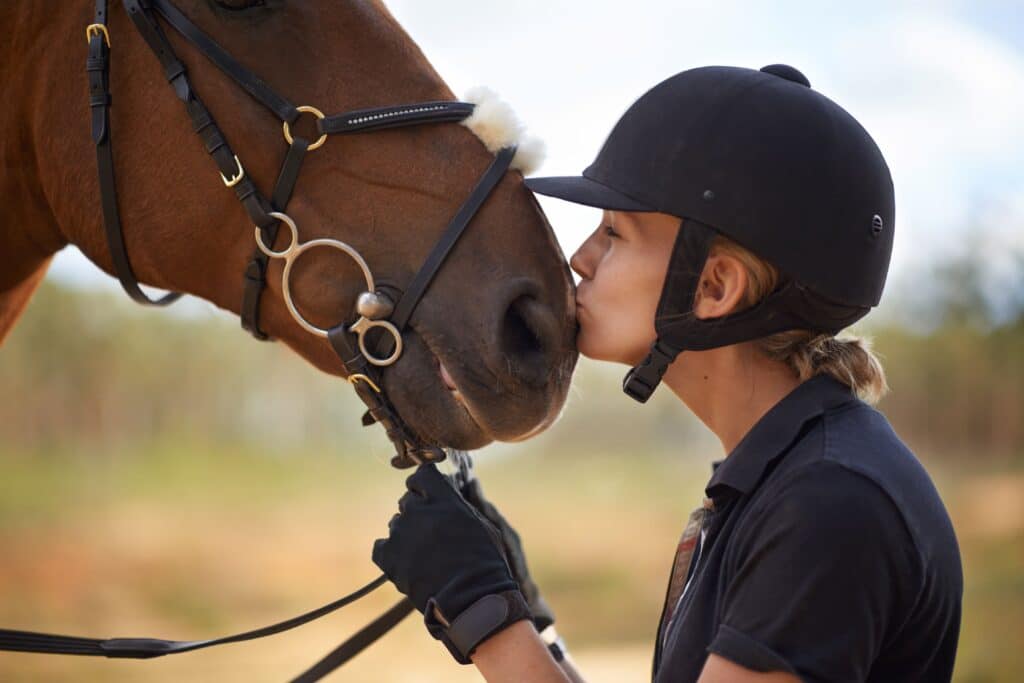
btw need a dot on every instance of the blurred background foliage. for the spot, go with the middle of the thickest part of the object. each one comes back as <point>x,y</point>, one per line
<point>161,474</point>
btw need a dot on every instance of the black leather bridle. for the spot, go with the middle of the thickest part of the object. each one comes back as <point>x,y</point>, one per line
<point>376,307</point>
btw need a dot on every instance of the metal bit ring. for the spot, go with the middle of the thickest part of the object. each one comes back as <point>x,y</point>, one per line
<point>362,328</point>
<point>363,325</point>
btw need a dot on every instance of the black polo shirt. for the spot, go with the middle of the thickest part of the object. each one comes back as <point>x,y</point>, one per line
<point>828,553</point>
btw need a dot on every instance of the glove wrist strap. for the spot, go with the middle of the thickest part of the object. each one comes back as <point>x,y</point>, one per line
<point>478,622</point>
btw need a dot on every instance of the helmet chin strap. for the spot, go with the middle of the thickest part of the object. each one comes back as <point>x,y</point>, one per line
<point>791,306</point>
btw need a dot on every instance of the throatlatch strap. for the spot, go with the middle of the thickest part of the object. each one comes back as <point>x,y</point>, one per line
<point>147,648</point>
<point>98,68</point>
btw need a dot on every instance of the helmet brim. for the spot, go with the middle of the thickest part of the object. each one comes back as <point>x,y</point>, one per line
<point>583,190</point>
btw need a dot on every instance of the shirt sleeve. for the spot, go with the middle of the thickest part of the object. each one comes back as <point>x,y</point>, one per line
<point>818,579</point>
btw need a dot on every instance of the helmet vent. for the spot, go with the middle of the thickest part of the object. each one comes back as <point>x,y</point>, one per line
<point>876,225</point>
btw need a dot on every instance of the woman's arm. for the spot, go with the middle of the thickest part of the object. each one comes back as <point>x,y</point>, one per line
<point>518,654</point>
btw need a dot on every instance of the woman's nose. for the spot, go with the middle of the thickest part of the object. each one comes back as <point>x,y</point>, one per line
<point>584,261</point>
<point>576,263</point>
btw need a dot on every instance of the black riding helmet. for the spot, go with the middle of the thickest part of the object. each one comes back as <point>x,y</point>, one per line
<point>761,158</point>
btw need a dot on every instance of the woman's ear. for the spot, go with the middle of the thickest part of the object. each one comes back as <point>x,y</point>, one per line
<point>722,288</point>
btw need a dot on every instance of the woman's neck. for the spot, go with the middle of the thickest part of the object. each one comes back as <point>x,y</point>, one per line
<point>729,388</point>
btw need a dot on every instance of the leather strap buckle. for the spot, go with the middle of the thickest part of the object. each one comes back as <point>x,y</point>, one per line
<point>97,30</point>
<point>233,180</point>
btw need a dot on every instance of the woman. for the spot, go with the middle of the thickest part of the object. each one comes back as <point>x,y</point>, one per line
<point>747,220</point>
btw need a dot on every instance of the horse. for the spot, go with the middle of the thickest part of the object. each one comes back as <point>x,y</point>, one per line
<point>490,349</point>
<point>480,349</point>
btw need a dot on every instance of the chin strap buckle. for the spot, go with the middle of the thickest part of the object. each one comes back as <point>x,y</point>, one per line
<point>640,382</point>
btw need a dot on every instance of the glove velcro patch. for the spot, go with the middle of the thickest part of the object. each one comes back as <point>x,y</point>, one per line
<point>478,622</point>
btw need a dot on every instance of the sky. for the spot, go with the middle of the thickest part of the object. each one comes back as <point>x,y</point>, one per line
<point>939,85</point>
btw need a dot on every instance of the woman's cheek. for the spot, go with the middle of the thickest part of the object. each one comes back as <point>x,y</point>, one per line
<point>585,332</point>
<point>599,338</point>
<point>592,339</point>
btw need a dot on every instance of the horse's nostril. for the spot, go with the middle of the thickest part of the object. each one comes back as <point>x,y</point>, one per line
<point>525,339</point>
<point>517,337</point>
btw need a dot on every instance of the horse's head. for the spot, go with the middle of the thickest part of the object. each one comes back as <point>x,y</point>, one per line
<point>497,321</point>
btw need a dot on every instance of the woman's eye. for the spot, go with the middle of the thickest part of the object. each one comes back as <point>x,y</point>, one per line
<point>610,231</point>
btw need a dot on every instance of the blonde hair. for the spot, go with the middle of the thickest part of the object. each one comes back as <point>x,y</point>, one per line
<point>845,357</point>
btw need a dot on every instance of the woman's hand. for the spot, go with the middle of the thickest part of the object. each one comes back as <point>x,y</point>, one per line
<point>449,561</point>
<point>513,548</point>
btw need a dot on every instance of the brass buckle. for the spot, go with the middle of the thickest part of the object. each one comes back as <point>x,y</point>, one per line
<point>354,379</point>
<point>308,110</point>
<point>95,30</point>
<point>233,180</point>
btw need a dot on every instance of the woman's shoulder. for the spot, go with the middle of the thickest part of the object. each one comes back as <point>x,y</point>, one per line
<point>852,468</point>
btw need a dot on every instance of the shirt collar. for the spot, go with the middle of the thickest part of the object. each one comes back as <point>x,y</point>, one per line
<point>774,432</point>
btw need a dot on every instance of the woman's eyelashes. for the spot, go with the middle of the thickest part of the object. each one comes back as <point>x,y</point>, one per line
<point>610,232</point>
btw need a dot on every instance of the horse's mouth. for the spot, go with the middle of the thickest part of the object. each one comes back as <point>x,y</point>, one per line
<point>449,382</point>
<point>449,396</point>
<point>456,395</point>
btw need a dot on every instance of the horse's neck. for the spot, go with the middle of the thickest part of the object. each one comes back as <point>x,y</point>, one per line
<point>48,174</point>
<point>29,234</point>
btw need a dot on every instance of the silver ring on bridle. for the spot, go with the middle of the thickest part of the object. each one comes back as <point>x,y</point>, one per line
<point>371,306</point>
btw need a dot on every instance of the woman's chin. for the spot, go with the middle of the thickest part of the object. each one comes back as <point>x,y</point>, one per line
<point>593,349</point>
<point>585,345</point>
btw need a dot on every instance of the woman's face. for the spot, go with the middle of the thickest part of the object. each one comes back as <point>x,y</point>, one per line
<point>622,267</point>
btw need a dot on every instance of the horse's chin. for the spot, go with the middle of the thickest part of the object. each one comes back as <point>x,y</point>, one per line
<point>453,405</point>
<point>463,403</point>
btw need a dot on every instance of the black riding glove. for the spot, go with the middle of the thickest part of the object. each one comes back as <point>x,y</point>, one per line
<point>448,560</point>
<point>513,547</point>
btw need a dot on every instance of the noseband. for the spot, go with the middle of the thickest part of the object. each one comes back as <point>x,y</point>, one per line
<point>376,309</point>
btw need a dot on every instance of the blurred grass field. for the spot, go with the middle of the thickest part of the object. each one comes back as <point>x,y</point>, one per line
<point>141,496</point>
<point>190,541</point>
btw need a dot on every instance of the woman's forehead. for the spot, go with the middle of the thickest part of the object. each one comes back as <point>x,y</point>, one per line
<point>643,221</point>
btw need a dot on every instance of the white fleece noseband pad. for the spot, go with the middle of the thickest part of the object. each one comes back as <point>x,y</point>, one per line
<point>497,126</point>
